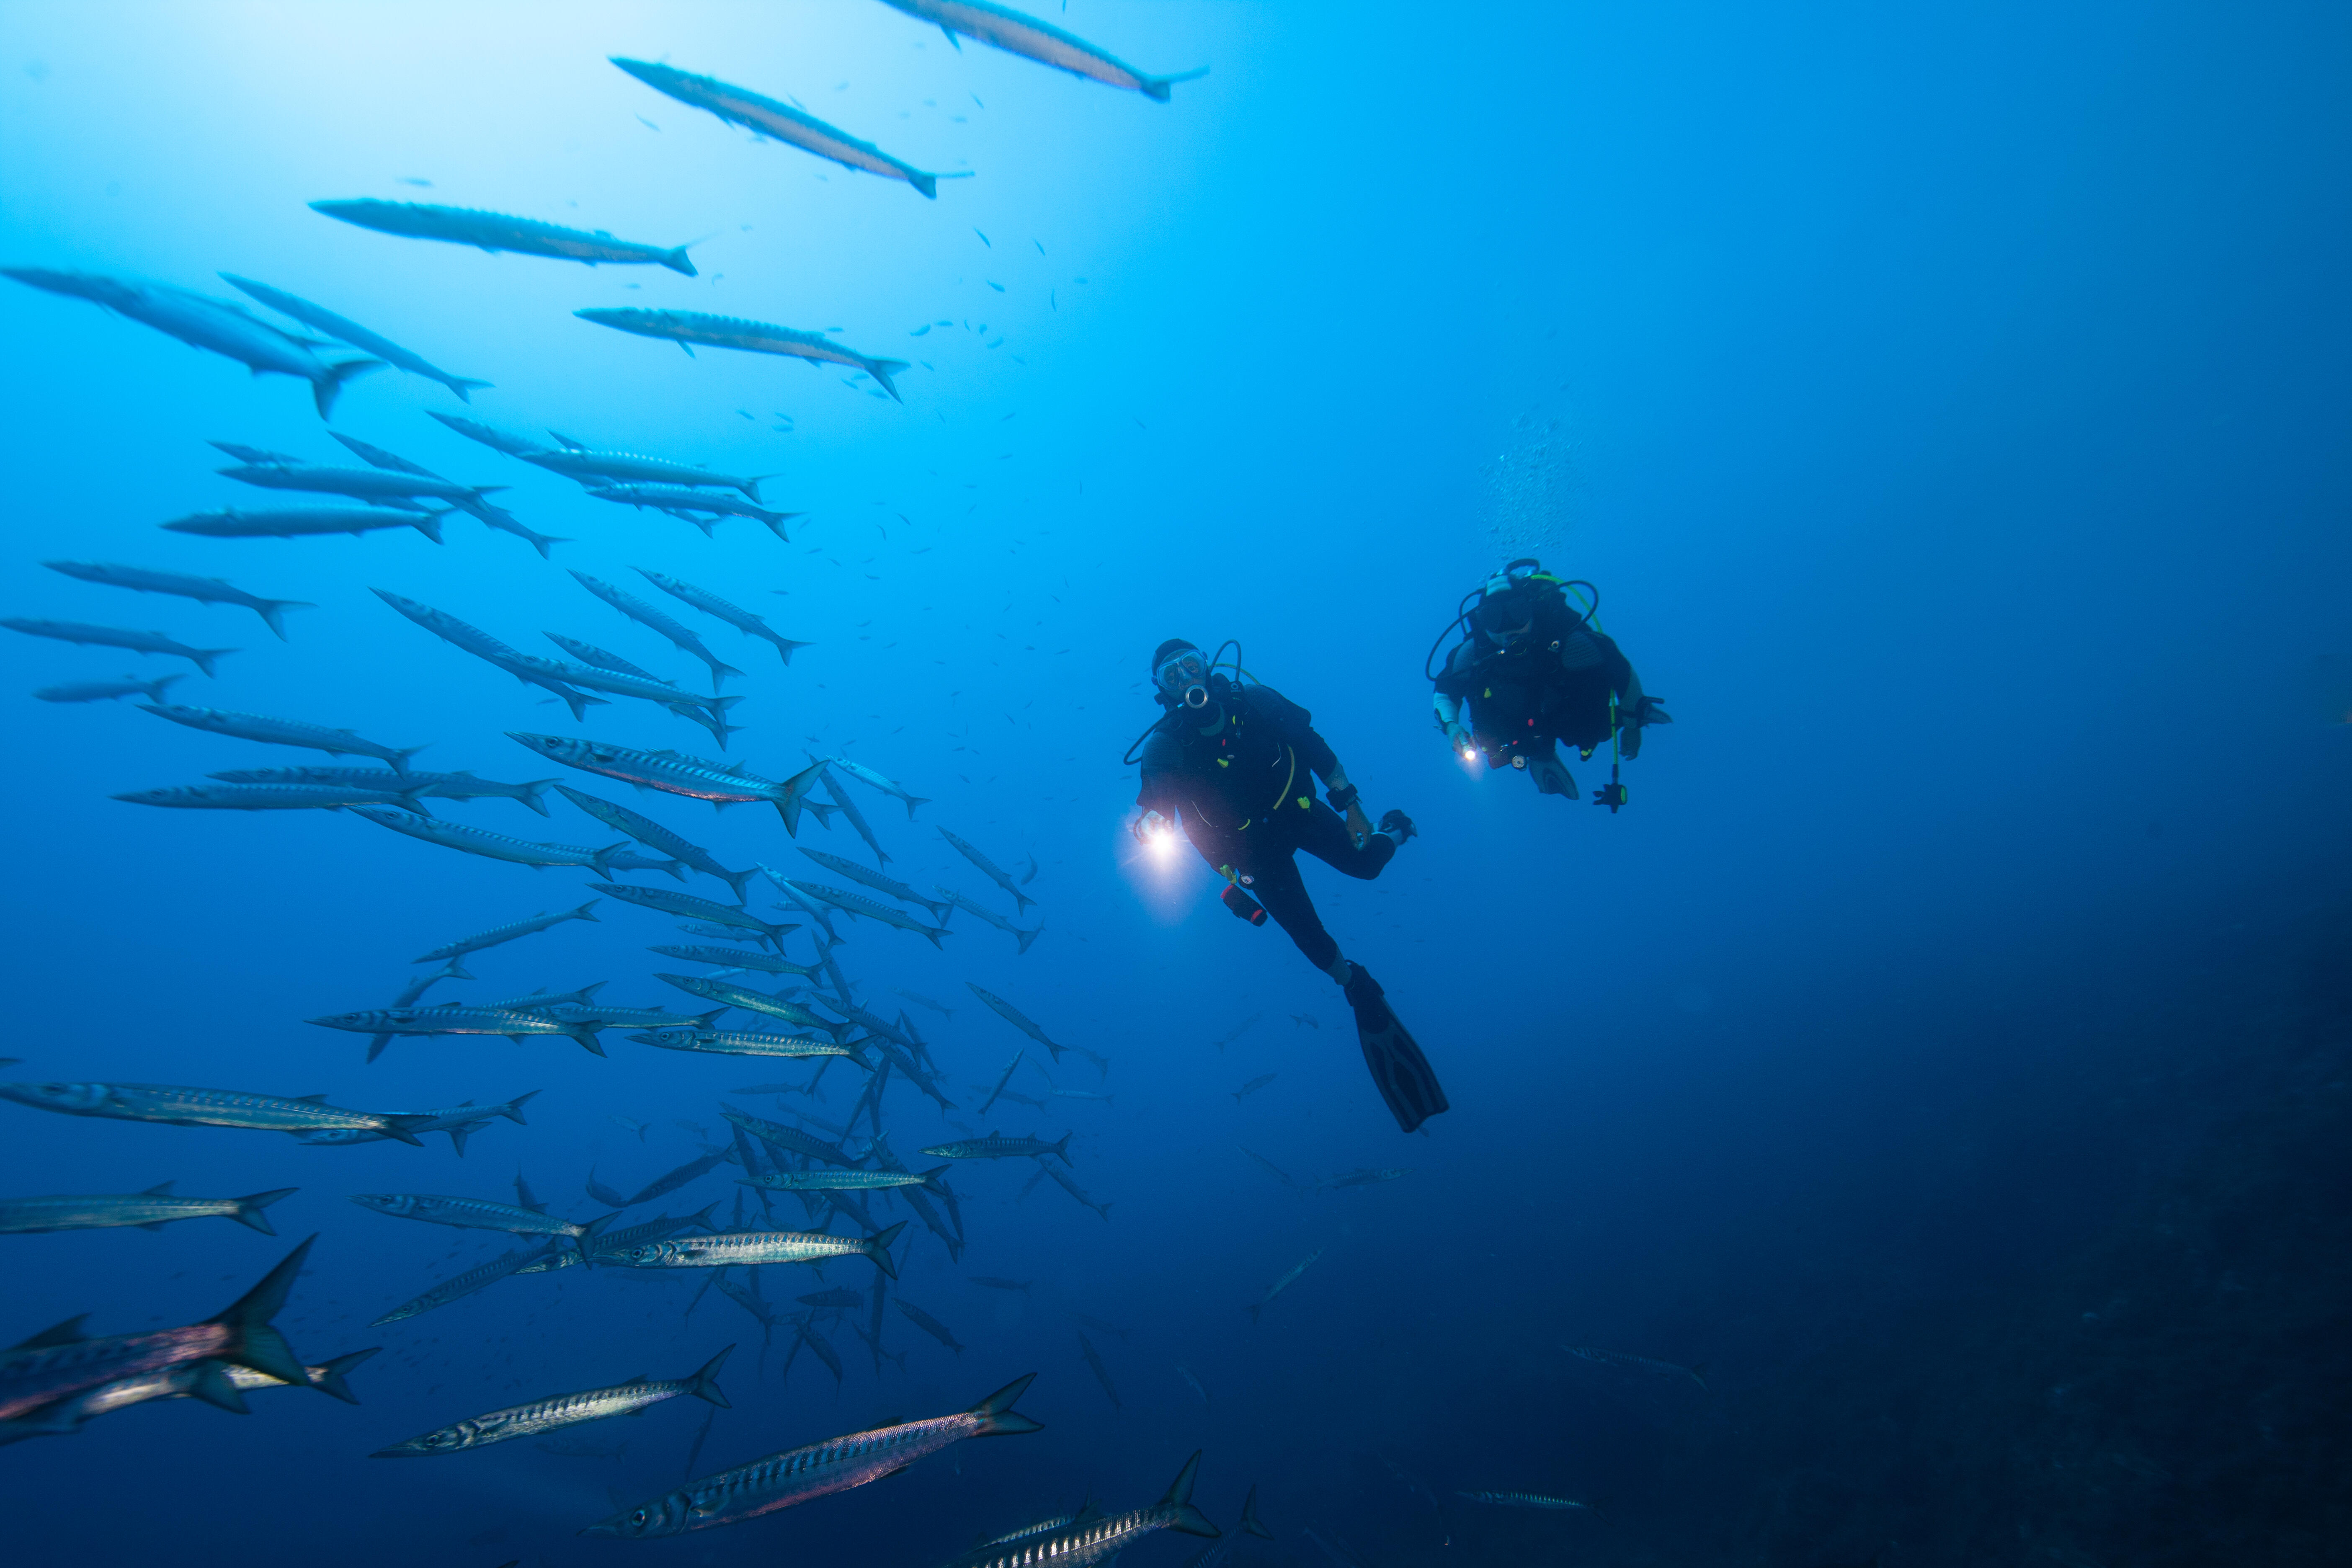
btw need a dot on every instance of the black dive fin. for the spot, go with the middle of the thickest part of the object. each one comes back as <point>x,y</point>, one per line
<point>1398,1070</point>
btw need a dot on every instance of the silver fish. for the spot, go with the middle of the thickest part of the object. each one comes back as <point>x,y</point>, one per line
<point>460,786</point>
<point>1638,1362</point>
<point>181,1107</point>
<point>1061,1179</point>
<point>1525,1499</point>
<point>850,904</point>
<point>729,994</point>
<point>190,1380</point>
<point>553,1258</point>
<point>674,774</point>
<point>735,1043</point>
<point>481,1213</point>
<point>497,231</point>
<point>282,733</point>
<point>1022,935</point>
<point>484,646</point>
<point>848,808</point>
<point>700,508</point>
<point>929,1325</point>
<point>685,906</point>
<point>710,604</point>
<point>360,484</point>
<point>1279,1286</point>
<point>878,881</point>
<point>107,691</point>
<point>1003,1078</point>
<point>481,1277</point>
<point>492,845</point>
<point>821,1469</point>
<point>767,117</point>
<point>459,1122</point>
<point>657,837</point>
<point>711,712</point>
<point>202,590</point>
<point>516,1023</point>
<point>543,1415</point>
<point>85,636</point>
<point>319,319</point>
<point>472,430</point>
<point>1015,1016</point>
<point>498,936</point>
<point>996,1146</point>
<point>867,776</point>
<point>149,1210</point>
<point>269,798</point>
<point>574,461</point>
<point>59,1362</point>
<point>1033,39</point>
<point>988,868</point>
<point>494,516</point>
<point>791,1139</point>
<point>841,1181</point>
<point>748,1248</point>
<point>738,959</point>
<point>221,326</point>
<point>689,327</point>
<point>1252,1086</point>
<point>919,1000</point>
<point>1094,1540</point>
<point>599,659</point>
<point>1102,1372</point>
<point>299,521</point>
<point>653,620</point>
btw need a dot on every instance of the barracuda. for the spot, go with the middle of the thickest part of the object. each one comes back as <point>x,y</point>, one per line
<point>481,1213</point>
<point>83,635</point>
<point>791,1139</point>
<point>764,117</point>
<point>735,615</point>
<point>204,590</point>
<point>889,885</point>
<point>731,958</point>
<point>850,904</point>
<point>460,786</point>
<point>268,797</point>
<point>730,995</point>
<point>492,845</point>
<point>197,1380</point>
<point>517,1023</point>
<point>686,328</point>
<point>821,1469</point>
<point>1034,40</point>
<point>302,521</point>
<point>996,1146</point>
<point>182,1106</point>
<point>343,330</point>
<point>576,462</point>
<point>489,649</point>
<point>657,837</point>
<point>1091,1541</point>
<point>498,936</point>
<point>1022,936</point>
<point>721,784</point>
<point>990,870</point>
<point>150,1210</point>
<point>738,1043</point>
<point>745,1248</point>
<point>1015,1016</point>
<point>282,733</point>
<point>700,508</point>
<point>654,1229</point>
<point>541,1416</point>
<point>653,620</point>
<point>481,1277</point>
<point>497,231</point>
<point>840,1181</point>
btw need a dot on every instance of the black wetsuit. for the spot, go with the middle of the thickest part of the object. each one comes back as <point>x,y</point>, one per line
<point>1556,685</point>
<point>1239,774</point>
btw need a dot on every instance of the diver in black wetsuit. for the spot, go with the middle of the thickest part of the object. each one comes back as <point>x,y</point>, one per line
<point>1534,670</point>
<point>1236,764</point>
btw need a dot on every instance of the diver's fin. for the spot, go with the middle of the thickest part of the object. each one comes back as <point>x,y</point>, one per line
<point>1398,1070</point>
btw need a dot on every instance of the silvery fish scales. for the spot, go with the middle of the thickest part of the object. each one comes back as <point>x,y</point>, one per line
<point>185,1107</point>
<point>497,231</point>
<point>150,1210</point>
<point>750,1248</point>
<point>541,1416</point>
<point>752,337</point>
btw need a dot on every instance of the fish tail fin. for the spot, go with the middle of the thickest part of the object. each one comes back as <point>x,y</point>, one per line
<point>878,1248</point>
<point>1063,1148</point>
<point>926,184</point>
<point>1251,1524</point>
<point>457,1136</point>
<point>704,1383</point>
<point>719,705</point>
<point>532,796</point>
<point>1253,1311</point>
<point>1025,937</point>
<point>1155,87</point>
<point>400,755</point>
<point>677,260</point>
<point>996,1415</point>
<point>331,1374</point>
<point>428,523</point>
<point>584,1036</point>
<point>601,859</point>
<point>376,1046</point>
<point>1178,1502</point>
<point>882,370</point>
<point>272,613</point>
<point>211,1385</point>
<point>579,702</point>
<point>1698,1375</point>
<point>250,1207</point>
<point>719,670</point>
<point>323,390</point>
<point>512,1109</point>
<point>913,801</point>
<point>253,1340</point>
<point>406,1128</point>
<point>464,386</point>
<point>455,970</point>
<point>676,869</point>
<point>203,656</point>
<point>591,1231</point>
<point>740,881</point>
<point>582,912</point>
<point>750,487</point>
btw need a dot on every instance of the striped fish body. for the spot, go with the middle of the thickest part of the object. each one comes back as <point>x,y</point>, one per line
<point>729,994</point>
<point>736,1042</point>
<point>790,1139</point>
<point>765,117</point>
<point>1015,1016</point>
<point>749,1249</point>
<point>671,771</point>
<point>889,885</point>
<point>850,904</point>
<point>490,846</point>
<point>1077,1545</point>
<point>478,1278</point>
<point>628,468</point>
<point>990,870</point>
<point>498,231</point>
<point>541,1417</point>
<point>184,1107</point>
<point>1002,28</point>
<point>451,1019</point>
<point>31,1377</point>
<point>752,337</point>
<point>654,1229</point>
<point>299,521</point>
<point>820,1470</point>
<point>187,1381</point>
<point>653,620</point>
<point>732,958</point>
<point>654,835</point>
<point>471,1214</point>
<point>997,1147</point>
<point>685,906</point>
<point>148,1210</point>
<point>360,484</point>
<point>833,1180</point>
<point>1523,1499</point>
<point>497,935</point>
<point>266,797</point>
<point>735,615</point>
<point>281,733</point>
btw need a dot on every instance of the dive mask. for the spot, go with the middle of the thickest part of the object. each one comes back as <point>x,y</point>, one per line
<point>1183,678</point>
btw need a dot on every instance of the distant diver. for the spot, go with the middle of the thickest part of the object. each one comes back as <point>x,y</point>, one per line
<point>1536,669</point>
<point>1230,760</point>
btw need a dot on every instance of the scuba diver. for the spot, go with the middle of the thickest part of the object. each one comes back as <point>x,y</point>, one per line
<point>1231,761</point>
<point>1534,668</point>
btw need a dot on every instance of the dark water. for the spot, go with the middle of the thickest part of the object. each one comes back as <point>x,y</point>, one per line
<point>1945,1047</point>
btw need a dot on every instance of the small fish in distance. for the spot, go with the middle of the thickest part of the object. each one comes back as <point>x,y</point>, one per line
<point>451,951</point>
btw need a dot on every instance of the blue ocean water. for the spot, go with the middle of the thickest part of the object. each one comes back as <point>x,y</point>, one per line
<point>1948,407</point>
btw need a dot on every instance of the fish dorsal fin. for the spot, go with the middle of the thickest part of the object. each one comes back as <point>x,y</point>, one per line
<point>643,1376</point>
<point>65,1333</point>
<point>160,1190</point>
<point>310,1099</point>
<point>567,443</point>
